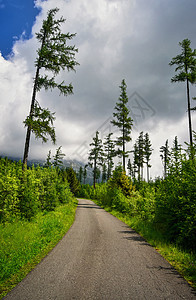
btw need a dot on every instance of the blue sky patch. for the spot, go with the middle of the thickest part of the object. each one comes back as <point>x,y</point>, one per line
<point>16,17</point>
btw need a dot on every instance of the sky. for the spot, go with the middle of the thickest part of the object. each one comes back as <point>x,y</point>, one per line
<point>17,18</point>
<point>116,39</point>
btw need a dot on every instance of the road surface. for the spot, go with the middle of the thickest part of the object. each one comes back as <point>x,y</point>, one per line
<point>102,258</point>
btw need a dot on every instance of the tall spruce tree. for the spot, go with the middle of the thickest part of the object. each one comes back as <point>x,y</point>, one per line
<point>186,68</point>
<point>131,169</point>
<point>147,153</point>
<point>109,149</point>
<point>54,55</point>
<point>136,160</point>
<point>140,142</point>
<point>165,156</point>
<point>96,156</point>
<point>176,154</point>
<point>123,121</point>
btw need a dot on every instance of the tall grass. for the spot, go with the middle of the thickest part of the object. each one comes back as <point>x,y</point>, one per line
<point>24,243</point>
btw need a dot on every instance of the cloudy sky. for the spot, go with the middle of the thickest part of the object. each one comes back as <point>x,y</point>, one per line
<point>116,39</point>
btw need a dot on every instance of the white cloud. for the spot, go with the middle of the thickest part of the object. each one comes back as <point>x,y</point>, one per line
<point>15,88</point>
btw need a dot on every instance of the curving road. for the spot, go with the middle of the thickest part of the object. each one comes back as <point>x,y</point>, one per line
<point>102,258</point>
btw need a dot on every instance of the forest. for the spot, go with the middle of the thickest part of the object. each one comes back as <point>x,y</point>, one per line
<point>25,193</point>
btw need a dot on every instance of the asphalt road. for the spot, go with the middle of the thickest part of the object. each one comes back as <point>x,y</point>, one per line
<point>102,258</point>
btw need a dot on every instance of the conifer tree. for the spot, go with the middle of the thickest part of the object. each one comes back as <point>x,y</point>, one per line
<point>131,169</point>
<point>123,121</point>
<point>54,55</point>
<point>135,160</point>
<point>104,172</point>
<point>97,175</point>
<point>165,156</point>
<point>109,149</point>
<point>85,173</point>
<point>48,162</point>
<point>96,156</point>
<point>58,158</point>
<point>80,174</point>
<point>186,65</point>
<point>73,181</point>
<point>147,153</point>
<point>176,154</point>
<point>140,155</point>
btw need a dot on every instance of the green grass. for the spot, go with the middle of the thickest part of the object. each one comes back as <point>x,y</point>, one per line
<point>183,261</point>
<point>23,244</point>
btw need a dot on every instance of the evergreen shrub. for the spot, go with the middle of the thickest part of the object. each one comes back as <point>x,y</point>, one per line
<point>24,193</point>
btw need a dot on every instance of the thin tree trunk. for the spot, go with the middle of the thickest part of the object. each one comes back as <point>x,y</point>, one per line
<point>139,173</point>
<point>147,171</point>
<point>165,167</point>
<point>123,148</point>
<point>123,156</point>
<point>28,134</point>
<point>26,149</point>
<point>94,175</point>
<point>189,114</point>
<point>108,172</point>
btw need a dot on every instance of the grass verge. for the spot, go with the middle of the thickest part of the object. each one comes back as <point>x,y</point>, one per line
<point>24,244</point>
<point>183,261</point>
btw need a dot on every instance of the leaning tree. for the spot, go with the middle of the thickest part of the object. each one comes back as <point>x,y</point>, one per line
<point>54,55</point>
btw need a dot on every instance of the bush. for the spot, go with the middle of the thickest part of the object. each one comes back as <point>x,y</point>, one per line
<point>24,193</point>
<point>121,181</point>
<point>9,201</point>
<point>176,205</point>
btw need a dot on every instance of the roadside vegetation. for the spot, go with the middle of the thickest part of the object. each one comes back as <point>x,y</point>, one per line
<point>37,208</point>
<point>163,211</point>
